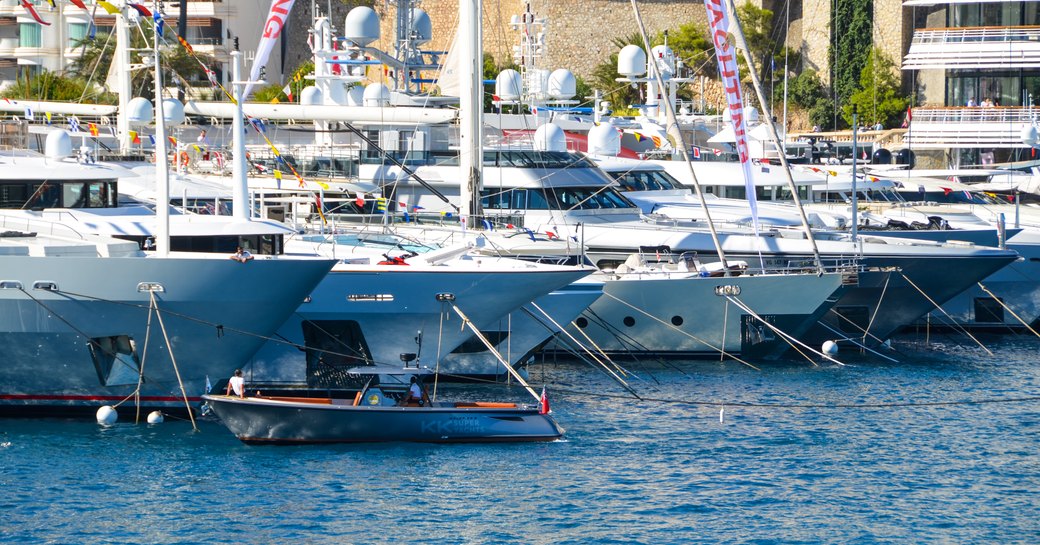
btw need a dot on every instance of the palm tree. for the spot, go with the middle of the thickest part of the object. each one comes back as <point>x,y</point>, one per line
<point>178,65</point>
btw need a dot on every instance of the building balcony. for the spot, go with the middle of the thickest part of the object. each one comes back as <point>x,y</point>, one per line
<point>969,127</point>
<point>974,47</point>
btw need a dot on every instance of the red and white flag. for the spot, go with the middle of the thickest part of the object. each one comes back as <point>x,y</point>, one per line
<point>288,91</point>
<point>276,19</point>
<point>718,23</point>
<point>543,407</point>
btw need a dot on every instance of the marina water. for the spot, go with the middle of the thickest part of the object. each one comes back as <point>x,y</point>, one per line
<point>940,447</point>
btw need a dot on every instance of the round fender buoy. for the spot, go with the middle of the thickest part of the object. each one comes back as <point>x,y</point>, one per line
<point>107,416</point>
<point>830,348</point>
<point>155,417</point>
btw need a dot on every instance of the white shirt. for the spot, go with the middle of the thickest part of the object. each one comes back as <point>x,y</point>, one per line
<point>415,391</point>
<point>238,385</point>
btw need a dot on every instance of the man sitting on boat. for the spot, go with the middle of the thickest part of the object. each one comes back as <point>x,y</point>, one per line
<point>416,394</point>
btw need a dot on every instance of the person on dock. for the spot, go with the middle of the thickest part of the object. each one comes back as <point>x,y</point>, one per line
<point>236,383</point>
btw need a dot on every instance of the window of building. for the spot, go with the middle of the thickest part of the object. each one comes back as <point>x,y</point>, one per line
<point>77,33</point>
<point>29,35</point>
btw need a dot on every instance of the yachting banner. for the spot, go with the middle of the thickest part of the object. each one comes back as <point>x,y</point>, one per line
<point>718,22</point>
<point>276,19</point>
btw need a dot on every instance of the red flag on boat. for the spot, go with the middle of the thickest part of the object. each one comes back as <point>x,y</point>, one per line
<point>544,404</point>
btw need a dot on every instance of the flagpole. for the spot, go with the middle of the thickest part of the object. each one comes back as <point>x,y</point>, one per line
<point>162,172</point>
<point>238,166</point>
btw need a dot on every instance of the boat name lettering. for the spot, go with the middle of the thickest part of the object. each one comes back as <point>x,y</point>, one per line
<point>454,425</point>
<point>370,297</point>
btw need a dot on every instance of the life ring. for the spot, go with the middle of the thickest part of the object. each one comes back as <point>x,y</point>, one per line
<point>184,159</point>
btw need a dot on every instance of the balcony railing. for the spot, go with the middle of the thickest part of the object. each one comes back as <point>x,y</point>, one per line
<point>974,47</point>
<point>969,127</point>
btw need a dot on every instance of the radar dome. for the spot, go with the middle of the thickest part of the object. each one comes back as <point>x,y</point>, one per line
<point>631,61</point>
<point>422,25</point>
<point>604,139</point>
<point>361,26</point>
<point>508,85</point>
<point>751,115</point>
<point>550,137</point>
<point>665,59</point>
<point>139,111</point>
<point>58,145</point>
<point>173,111</point>
<point>1030,135</point>
<point>311,96</point>
<point>355,95</point>
<point>376,94</point>
<point>562,84</point>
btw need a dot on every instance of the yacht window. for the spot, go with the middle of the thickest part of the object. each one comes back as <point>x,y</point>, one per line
<point>536,200</point>
<point>13,195</point>
<point>45,195</point>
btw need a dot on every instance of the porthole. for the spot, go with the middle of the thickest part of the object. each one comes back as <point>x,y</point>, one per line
<point>677,321</point>
<point>581,322</point>
<point>629,321</point>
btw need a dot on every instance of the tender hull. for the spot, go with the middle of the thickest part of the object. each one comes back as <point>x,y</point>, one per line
<point>215,312</point>
<point>272,421</point>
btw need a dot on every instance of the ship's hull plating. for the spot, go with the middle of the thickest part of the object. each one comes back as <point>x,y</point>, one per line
<point>56,344</point>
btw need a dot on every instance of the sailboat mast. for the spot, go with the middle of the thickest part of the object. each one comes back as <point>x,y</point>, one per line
<point>471,106</point>
<point>673,129</point>
<point>162,171</point>
<point>741,44</point>
<point>238,166</point>
<point>121,66</point>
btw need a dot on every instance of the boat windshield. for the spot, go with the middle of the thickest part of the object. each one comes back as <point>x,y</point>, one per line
<point>645,180</point>
<point>558,198</point>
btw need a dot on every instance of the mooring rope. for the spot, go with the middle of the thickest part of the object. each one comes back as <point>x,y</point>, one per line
<point>791,340</point>
<point>173,359</point>
<point>1007,308</point>
<point>952,321</point>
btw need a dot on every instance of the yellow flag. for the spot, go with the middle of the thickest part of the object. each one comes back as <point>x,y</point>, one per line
<point>197,148</point>
<point>107,6</point>
<point>277,174</point>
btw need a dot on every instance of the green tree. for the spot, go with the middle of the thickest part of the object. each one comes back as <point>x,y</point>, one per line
<point>178,66</point>
<point>807,92</point>
<point>878,98</point>
<point>52,86</point>
<point>851,25</point>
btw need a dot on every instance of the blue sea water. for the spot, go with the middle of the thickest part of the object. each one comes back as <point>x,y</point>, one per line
<point>940,447</point>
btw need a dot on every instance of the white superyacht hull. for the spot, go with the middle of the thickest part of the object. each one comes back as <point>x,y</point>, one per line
<point>63,317</point>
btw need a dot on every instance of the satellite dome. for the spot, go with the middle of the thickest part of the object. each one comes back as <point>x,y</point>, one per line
<point>376,94</point>
<point>422,26</point>
<point>550,137</point>
<point>58,144</point>
<point>508,85</point>
<point>140,111</point>
<point>361,26</point>
<point>311,96</point>
<point>1030,136</point>
<point>604,139</point>
<point>631,61</point>
<point>562,84</point>
<point>173,111</point>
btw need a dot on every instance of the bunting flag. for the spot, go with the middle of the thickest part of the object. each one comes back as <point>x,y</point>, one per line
<point>93,129</point>
<point>718,23</point>
<point>53,5</point>
<point>159,22</point>
<point>381,205</point>
<point>48,116</point>
<point>276,19</point>
<point>696,153</point>
<point>32,11</point>
<point>29,114</point>
<point>277,175</point>
<point>288,92</point>
<point>186,45</point>
<point>108,7</point>
<point>173,141</point>
<point>140,9</point>
<point>73,124</point>
<point>151,139</point>
<point>360,200</point>
<point>134,137</point>
<point>79,4</point>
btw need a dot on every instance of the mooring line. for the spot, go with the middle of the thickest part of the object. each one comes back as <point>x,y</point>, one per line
<point>952,321</point>
<point>1007,308</point>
